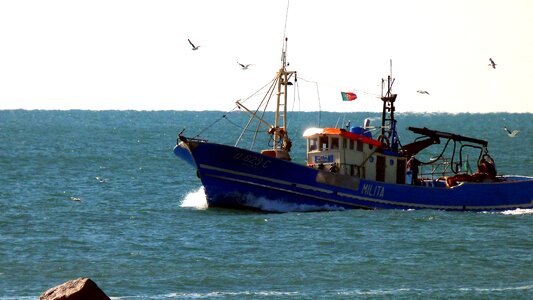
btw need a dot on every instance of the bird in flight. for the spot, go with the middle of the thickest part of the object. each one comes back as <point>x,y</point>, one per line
<point>511,133</point>
<point>492,63</point>
<point>244,67</point>
<point>193,46</point>
<point>422,92</point>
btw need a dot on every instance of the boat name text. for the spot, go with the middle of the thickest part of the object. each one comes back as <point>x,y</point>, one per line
<point>376,191</point>
<point>252,160</point>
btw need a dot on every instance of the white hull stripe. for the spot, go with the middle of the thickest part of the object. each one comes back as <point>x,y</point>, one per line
<point>304,186</point>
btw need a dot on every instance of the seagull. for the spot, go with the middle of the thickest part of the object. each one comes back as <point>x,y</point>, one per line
<point>244,67</point>
<point>100,179</point>
<point>492,63</point>
<point>511,133</point>
<point>193,46</point>
<point>422,92</point>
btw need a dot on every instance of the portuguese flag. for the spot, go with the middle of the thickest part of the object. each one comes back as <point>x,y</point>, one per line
<point>348,96</point>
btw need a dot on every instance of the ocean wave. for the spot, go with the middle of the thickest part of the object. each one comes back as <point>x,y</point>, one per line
<point>211,295</point>
<point>403,291</point>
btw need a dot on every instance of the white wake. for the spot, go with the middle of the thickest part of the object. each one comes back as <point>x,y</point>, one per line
<point>195,199</point>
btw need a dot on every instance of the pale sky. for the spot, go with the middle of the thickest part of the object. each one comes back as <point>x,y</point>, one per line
<point>134,54</point>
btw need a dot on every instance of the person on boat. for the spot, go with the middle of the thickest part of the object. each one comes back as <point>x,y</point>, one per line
<point>413,164</point>
<point>287,144</point>
<point>486,171</point>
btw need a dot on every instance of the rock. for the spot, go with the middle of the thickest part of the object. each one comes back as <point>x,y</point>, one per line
<point>76,289</point>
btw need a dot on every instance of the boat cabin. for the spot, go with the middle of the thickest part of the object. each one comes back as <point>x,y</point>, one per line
<point>353,152</point>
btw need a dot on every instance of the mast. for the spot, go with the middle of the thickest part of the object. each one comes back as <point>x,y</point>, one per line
<point>388,123</point>
<point>280,122</point>
<point>281,141</point>
<point>278,131</point>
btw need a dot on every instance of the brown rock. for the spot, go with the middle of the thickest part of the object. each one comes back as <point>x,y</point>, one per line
<point>76,289</point>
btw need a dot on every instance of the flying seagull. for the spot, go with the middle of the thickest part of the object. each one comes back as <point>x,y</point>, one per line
<point>511,133</point>
<point>244,67</point>
<point>193,46</point>
<point>422,92</point>
<point>492,63</point>
<point>100,179</point>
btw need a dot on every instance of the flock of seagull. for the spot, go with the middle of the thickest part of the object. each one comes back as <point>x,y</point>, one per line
<point>423,92</point>
<point>491,64</point>
<point>245,66</point>
<point>196,47</point>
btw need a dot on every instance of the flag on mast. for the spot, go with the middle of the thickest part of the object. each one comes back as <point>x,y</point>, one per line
<point>348,96</point>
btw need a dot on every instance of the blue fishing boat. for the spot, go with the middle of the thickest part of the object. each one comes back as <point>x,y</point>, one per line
<point>359,167</point>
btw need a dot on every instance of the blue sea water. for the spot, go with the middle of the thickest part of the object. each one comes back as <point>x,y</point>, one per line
<point>99,194</point>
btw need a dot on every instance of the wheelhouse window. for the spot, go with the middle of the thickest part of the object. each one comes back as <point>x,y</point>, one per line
<point>334,143</point>
<point>359,146</point>
<point>313,144</point>
<point>324,144</point>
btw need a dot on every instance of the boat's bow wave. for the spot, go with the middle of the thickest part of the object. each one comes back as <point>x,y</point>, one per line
<point>195,199</point>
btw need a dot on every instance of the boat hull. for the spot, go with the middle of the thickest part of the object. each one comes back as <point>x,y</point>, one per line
<point>239,178</point>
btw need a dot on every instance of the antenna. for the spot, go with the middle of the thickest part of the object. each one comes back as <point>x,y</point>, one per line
<point>390,62</point>
<point>284,51</point>
<point>286,17</point>
<point>388,123</point>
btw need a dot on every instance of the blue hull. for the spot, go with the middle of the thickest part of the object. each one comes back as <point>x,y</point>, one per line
<point>238,178</point>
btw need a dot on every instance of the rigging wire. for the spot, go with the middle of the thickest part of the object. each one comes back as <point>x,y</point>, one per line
<point>259,90</point>
<point>233,123</point>
<point>234,109</point>
<point>267,97</point>
<point>262,117</point>
<point>296,96</point>
<point>213,123</point>
<point>367,93</point>
<point>318,95</point>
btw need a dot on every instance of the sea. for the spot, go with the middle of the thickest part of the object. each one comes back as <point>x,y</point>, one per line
<point>100,194</point>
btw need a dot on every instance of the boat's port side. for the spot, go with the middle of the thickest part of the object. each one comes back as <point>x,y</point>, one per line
<point>227,188</point>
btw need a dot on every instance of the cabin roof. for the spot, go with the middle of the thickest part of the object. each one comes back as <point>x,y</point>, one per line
<point>313,132</point>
